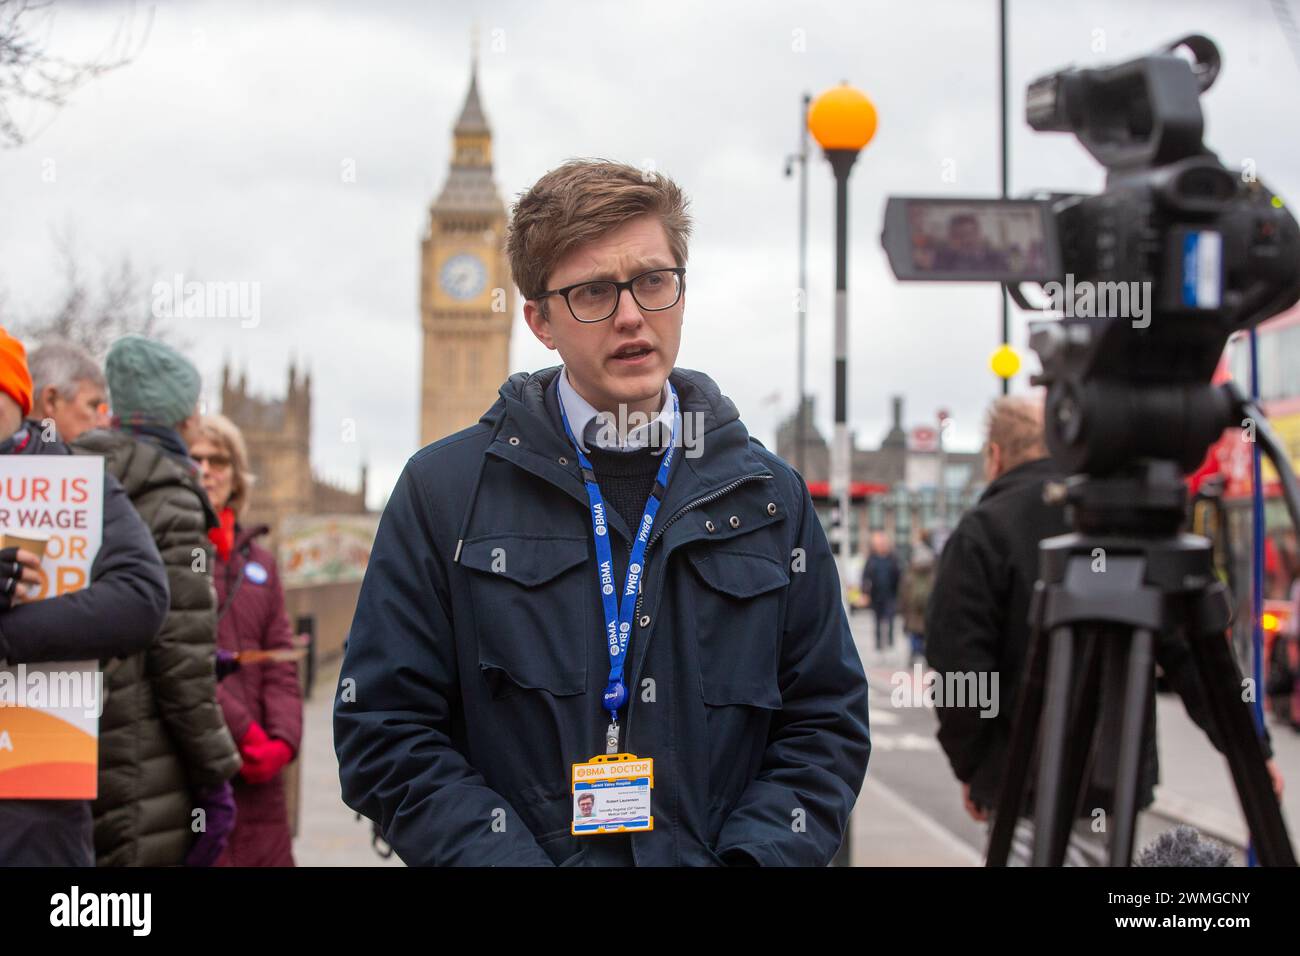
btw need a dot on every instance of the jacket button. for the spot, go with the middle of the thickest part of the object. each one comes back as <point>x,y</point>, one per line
<point>514,440</point>
<point>771,507</point>
<point>710,526</point>
<point>645,620</point>
<point>734,522</point>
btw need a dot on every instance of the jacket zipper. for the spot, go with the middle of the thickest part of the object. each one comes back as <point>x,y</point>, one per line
<point>645,562</point>
<point>712,496</point>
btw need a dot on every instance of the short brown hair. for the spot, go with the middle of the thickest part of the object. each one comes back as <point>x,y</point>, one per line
<point>225,434</point>
<point>581,201</point>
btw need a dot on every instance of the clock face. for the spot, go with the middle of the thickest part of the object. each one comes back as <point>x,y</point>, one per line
<point>463,276</point>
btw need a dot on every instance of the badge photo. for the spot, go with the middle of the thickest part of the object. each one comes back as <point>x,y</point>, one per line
<point>611,794</point>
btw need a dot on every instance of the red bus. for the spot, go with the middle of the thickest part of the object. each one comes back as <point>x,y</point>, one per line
<point>1222,495</point>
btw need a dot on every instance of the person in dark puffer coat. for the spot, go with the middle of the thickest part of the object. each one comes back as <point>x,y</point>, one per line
<point>262,703</point>
<point>118,613</point>
<point>165,752</point>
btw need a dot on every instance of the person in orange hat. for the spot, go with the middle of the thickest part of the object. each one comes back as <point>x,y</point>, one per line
<point>18,568</point>
<point>15,379</point>
<point>118,614</point>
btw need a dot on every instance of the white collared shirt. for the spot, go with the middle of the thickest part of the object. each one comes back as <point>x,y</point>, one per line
<point>600,429</point>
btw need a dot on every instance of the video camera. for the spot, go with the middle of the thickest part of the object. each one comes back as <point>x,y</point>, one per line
<point>1151,277</point>
<point>1184,248</point>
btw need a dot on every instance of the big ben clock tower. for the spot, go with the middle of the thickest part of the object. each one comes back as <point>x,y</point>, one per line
<point>466,296</point>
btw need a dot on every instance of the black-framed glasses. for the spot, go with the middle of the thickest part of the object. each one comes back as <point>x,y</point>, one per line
<point>653,291</point>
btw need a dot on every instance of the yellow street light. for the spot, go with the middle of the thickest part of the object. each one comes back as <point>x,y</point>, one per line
<point>1004,361</point>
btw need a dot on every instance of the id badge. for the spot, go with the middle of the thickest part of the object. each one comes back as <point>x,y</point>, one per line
<point>611,794</point>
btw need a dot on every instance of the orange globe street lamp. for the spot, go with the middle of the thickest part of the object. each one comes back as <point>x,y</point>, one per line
<point>843,121</point>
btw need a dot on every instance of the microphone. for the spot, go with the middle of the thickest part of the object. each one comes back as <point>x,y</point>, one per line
<point>1183,846</point>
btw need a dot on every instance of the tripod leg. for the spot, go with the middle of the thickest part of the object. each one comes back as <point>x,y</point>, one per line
<point>1137,688</point>
<point>1056,725</point>
<point>1221,681</point>
<point>1050,845</point>
<point>1020,749</point>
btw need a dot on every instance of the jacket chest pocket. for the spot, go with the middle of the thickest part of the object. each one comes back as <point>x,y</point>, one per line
<point>531,600</point>
<point>737,616</point>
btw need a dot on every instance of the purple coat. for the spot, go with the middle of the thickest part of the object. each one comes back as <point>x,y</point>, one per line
<point>266,694</point>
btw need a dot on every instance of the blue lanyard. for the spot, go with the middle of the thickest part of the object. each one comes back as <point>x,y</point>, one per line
<point>618,616</point>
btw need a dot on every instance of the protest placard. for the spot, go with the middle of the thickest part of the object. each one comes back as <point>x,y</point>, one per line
<point>49,712</point>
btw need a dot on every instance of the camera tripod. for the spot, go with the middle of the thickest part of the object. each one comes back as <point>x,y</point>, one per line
<point>1107,592</point>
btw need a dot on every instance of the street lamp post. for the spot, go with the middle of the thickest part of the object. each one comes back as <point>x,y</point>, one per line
<point>941,502</point>
<point>1002,109</point>
<point>843,121</point>
<point>801,157</point>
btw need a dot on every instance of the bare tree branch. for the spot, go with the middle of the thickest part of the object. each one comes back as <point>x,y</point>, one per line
<point>93,313</point>
<point>31,75</point>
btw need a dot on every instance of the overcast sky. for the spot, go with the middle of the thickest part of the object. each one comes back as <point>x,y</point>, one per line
<point>218,154</point>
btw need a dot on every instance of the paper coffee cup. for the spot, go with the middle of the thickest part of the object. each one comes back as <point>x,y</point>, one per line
<point>29,541</point>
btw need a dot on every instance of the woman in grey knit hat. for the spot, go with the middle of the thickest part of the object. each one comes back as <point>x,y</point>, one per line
<point>164,747</point>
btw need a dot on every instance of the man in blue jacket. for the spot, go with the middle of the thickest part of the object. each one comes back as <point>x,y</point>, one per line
<point>880,579</point>
<point>605,564</point>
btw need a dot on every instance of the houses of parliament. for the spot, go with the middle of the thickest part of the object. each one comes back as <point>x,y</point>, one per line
<point>466,302</point>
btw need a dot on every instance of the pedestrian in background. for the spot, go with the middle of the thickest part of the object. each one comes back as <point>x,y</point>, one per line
<point>262,702</point>
<point>116,615</point>
<point>164,750</point>
<point>1282,682</point>
<point>977,623</point>
<point>880,578</point>
<point>914,593</point>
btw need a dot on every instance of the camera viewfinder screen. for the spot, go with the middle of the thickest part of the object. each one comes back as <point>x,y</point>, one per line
<point>978,240</point>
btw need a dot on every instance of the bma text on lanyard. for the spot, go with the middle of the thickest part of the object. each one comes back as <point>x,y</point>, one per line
<point>618,614</point>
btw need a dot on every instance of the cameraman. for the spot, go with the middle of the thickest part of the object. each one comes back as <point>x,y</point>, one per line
<point>977,621</point>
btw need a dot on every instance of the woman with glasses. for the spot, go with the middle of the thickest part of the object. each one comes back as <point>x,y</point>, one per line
<point>262,702</point>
